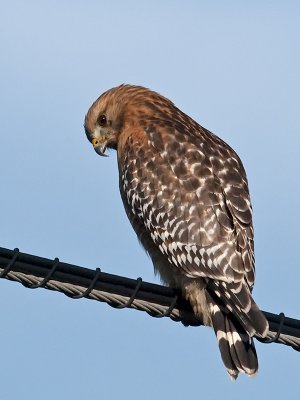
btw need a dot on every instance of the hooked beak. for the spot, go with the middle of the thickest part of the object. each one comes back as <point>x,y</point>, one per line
<point>100,146</point>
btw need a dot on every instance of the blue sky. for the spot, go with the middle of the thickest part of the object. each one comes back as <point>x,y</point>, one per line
<point>234,67</point>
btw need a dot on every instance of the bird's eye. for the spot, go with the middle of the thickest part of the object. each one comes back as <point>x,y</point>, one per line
<point>102,120</point>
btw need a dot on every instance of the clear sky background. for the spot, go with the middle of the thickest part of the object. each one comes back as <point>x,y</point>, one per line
<point>234,67</point>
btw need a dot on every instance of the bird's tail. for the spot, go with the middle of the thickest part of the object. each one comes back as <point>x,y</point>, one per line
<point>234,330</point>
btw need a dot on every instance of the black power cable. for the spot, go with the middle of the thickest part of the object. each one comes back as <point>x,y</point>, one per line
<point>120,292</point>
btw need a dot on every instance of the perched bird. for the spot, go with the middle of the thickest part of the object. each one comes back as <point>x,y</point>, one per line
<point>185,192</point>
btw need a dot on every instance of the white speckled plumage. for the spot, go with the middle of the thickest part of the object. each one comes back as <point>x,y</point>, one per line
<point>186,195</point>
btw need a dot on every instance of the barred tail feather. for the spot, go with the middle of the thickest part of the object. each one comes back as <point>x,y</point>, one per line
<point>239,302</point>
<point>236,346</point>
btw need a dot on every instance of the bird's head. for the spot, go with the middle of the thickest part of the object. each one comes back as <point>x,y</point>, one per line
<point>121,107</point>
<point>103,122</point>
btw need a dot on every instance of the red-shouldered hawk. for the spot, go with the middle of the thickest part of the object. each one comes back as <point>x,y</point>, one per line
<point>186,195</point>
